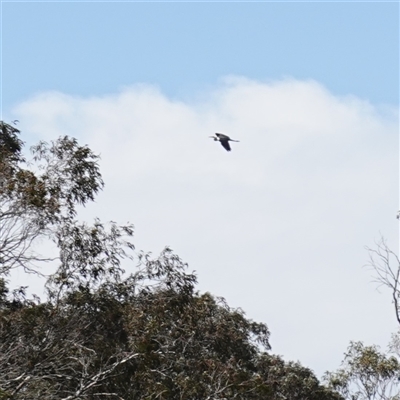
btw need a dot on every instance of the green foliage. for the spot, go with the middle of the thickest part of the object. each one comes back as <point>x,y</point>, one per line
<point>70,173</point>
<point>367,374</point>
<point>292,381</point>
<point>37,201</point>
<point>10,144</point>
<point>147,336</point>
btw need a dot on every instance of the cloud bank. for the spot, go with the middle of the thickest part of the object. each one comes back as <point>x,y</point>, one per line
<point>277,226</point>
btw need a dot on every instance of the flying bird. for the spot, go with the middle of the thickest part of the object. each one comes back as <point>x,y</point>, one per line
<point>224,140</point>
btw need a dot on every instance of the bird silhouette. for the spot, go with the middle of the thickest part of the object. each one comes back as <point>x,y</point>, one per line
<point>224,140</point>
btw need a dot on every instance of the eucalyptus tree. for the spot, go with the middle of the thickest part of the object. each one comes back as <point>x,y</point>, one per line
<point>368,373</point>
<point>37,198</point>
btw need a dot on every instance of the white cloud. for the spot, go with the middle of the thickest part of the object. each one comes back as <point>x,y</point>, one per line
<point>278,226</point>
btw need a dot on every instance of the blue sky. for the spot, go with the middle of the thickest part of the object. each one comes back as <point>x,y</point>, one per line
<point>95,48</point>
<point>279,225</point>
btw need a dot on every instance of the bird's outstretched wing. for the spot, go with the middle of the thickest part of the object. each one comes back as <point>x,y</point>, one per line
<point>225,145</point>
<point>221,136</point>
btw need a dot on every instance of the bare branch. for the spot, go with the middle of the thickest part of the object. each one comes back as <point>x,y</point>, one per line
<point>386,265</point>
